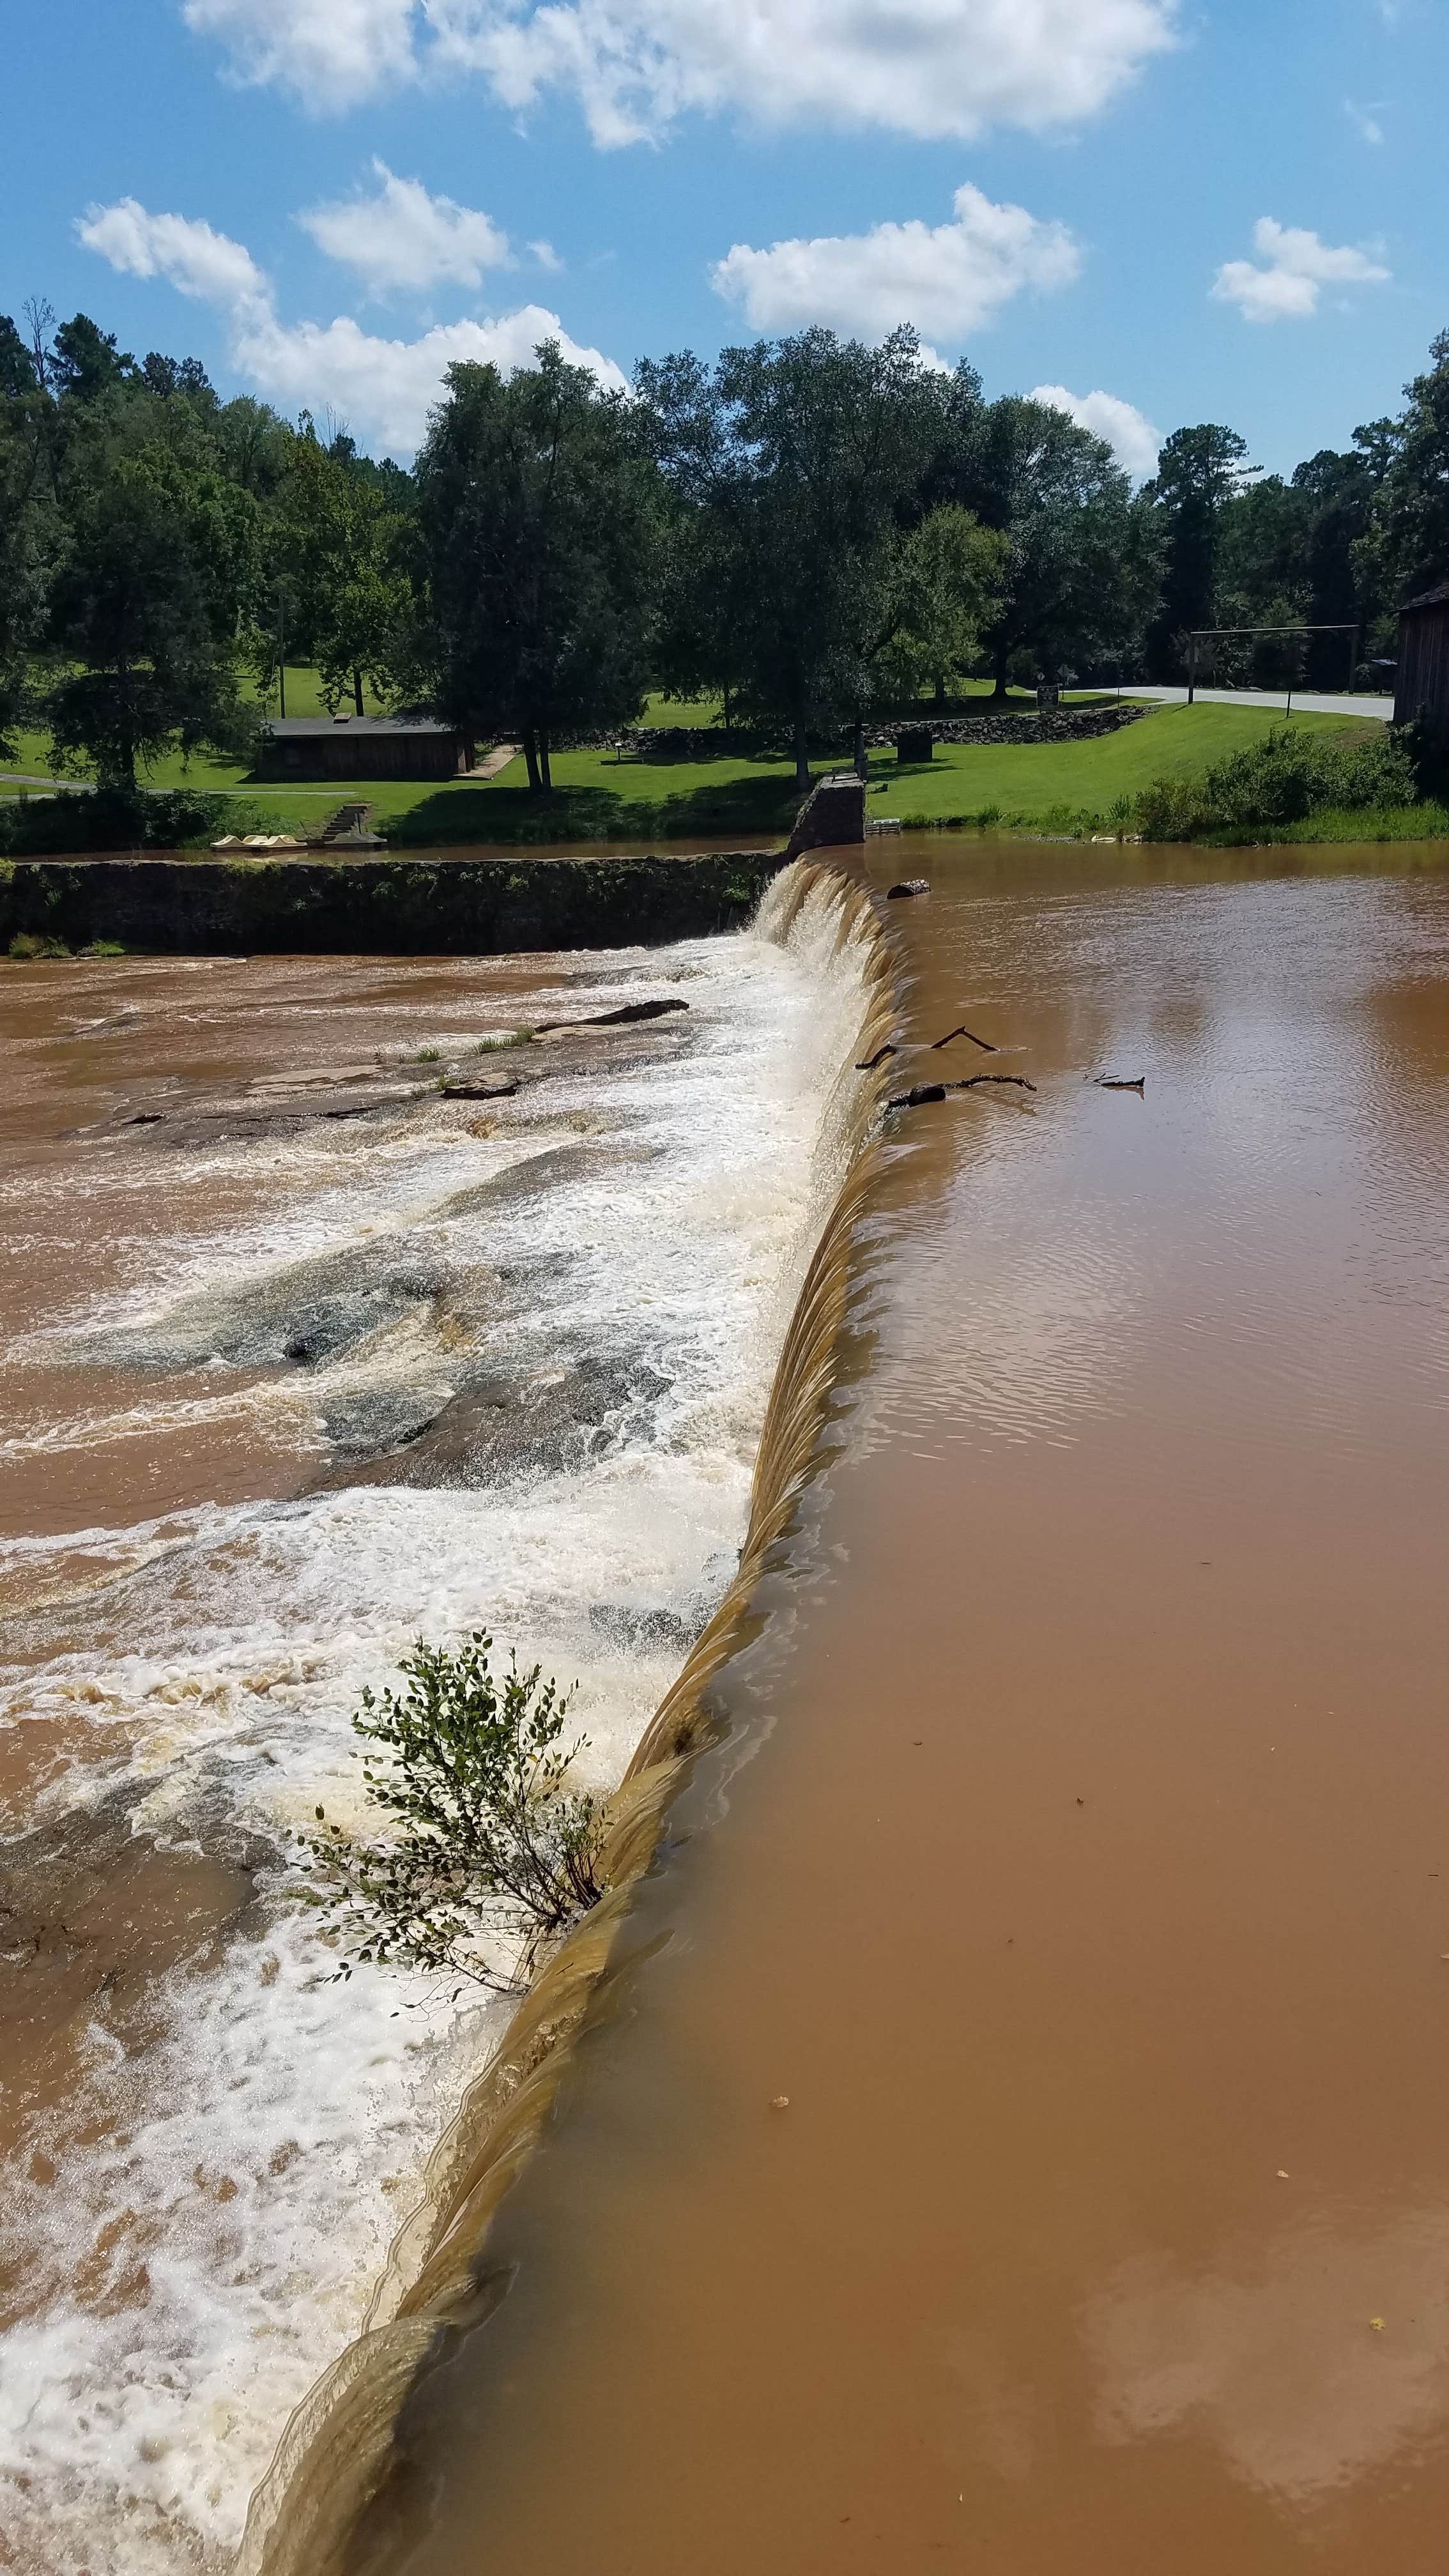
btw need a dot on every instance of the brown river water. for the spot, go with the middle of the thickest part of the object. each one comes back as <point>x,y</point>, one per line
<point>1011,2134</point>
<point>1075,1867</point>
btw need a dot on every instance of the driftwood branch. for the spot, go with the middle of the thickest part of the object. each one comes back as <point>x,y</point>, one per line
<point>879,1057</point>
<point>1112,1082</point>
<point>963,1032</point>
<point>926,1091</point>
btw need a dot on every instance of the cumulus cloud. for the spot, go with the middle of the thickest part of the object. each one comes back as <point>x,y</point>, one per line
<point>1296,268</point>
<point>189,255</point>
<point>1128,432</point>
<point>386,388</point>
<point>930,68</point>
<point>947,279</point>
<point>383,387</point>
<point>330,53</point>
<point>401,237</point>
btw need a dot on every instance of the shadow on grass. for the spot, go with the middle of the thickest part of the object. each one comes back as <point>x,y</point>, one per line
<point>511,815</point>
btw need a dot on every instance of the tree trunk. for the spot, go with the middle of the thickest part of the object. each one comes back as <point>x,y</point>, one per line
<point>357,691</point>
<point>802,759</point>
<point>530,754</point>
<point>545,770</point>
<point>999,692</point>
<point>940,689</point>
<point>862,765</point>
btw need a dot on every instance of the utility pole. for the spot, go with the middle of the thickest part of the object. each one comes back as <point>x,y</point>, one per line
<point>282,649</point>
<point>1191,667</point>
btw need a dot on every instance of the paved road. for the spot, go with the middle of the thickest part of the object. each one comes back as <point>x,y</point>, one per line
<point>1308,705</point>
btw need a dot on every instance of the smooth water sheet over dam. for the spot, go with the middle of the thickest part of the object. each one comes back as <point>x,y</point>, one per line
<point>1013,2138</point>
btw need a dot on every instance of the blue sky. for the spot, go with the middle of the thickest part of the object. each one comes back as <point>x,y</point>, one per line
<point>1197,209</point>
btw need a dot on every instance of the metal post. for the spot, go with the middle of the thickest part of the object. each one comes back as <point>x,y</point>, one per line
<point>1352,655</point>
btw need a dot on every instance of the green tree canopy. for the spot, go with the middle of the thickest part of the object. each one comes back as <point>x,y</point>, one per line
<point>1199,471</point>
<point>537,536</point>
<point>800,462</point>
<point>1080,564</point>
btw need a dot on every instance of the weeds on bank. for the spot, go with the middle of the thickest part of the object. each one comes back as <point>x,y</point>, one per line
<point>481,1842</point>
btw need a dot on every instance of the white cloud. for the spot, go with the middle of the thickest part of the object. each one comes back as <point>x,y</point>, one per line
<point>1365,119</point>
<point>947,279</point>
<point>1128,432</point>
<point>930,68</point>
<point>402,237</point>
<point>384,388</point>
<point>545,254</point>
<point>331,53</point>
<point>189,255</point>
<point>1297,268</point>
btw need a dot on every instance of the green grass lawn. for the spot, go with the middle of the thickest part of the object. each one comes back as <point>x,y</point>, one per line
<point>597,796</point>
<point>1026,784</point>
<point>600,797</point>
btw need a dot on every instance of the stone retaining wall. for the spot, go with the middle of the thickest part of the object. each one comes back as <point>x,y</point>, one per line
<point>379,907</point>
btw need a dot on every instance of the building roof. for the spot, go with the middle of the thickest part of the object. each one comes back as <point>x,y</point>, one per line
<point>305,728</point>
<point>1438,597</point>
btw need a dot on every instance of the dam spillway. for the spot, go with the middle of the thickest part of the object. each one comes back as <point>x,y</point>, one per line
<point>1010,2137</point>
<point>309,1349</point>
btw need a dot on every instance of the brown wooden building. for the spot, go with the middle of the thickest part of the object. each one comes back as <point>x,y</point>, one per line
<point>1421,683</point>
<point>362,747</point>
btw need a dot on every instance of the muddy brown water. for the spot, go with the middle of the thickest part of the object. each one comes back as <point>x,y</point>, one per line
<point>1013,2137</point>
<point>304,1356</point>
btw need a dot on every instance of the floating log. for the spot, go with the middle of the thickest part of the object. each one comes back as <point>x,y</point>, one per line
<point>908,885</point>
<point>926,1091</point>
<point>612,1019</point>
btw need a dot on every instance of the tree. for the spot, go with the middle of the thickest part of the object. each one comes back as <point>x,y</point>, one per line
<point>337,553</point>
<point>1198,473</point>
<point>1406,549</point>
<point>537,530</point>
<point>950,576</point>
<point>801,461</point>
<point>1080,562</point>
<point>86,362</point>
<point>142,620</point>
<point>30,528</point>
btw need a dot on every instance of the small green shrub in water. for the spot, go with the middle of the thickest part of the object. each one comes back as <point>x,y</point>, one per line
<point>483,1843</point>
<point>27,945</point>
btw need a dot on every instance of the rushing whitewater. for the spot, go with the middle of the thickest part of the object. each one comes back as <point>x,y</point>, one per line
<point>207,2183</point>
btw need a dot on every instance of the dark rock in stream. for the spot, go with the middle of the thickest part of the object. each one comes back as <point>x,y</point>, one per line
<point>645,1632</point>
<point>302,1315</point>
<point>495,1428</point>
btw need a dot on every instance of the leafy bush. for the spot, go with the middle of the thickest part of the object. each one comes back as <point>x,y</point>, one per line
<point>28,945</point>
<point>111,818</point>
<point>1289,775</point>
<point>483,1841</point>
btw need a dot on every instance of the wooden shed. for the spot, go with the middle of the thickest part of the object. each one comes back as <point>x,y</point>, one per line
<point>362,747</point>
<point>1421,683</point>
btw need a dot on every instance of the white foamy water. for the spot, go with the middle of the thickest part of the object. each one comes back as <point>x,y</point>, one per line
<point>223,2197</point>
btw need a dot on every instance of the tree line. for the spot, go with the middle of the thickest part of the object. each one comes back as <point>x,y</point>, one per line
<point>808,531</point>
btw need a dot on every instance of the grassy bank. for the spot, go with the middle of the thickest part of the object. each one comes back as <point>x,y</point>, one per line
<point>599,797</point>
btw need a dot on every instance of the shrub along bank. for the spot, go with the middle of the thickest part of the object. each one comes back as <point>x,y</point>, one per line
<point>1286,779</point>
